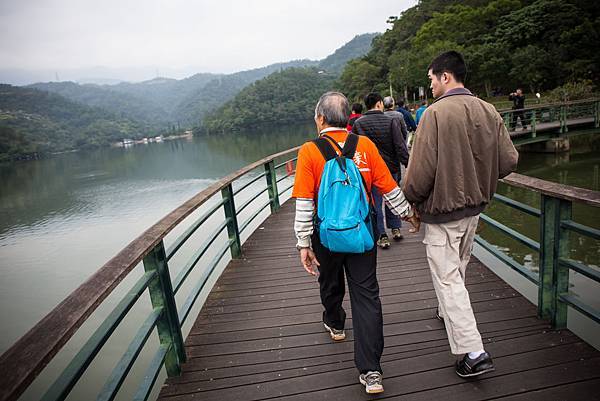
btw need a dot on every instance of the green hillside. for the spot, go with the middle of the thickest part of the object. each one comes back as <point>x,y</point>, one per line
<point>507,43</point>
<point>37,122</point>
<point>284,97</point>
<point>122,104</point>
<point>216,92</point>
<point>357,47</point>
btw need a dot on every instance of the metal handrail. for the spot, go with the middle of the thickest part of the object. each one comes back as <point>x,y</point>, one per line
<point>28,356</point>
<point>555,224</point>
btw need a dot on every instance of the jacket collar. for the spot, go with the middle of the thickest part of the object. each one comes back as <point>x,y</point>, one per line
<point>454,92</point>
<point>374,112</point>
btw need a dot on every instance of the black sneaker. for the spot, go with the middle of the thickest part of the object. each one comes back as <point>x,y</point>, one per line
<point>468,367</point>
<point>437,314</point>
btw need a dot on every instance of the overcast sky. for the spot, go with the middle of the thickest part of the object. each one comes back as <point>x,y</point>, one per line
<point>178,37</point>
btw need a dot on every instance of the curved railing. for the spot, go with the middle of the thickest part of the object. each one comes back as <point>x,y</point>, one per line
<point>555,224</point>
<point>24,361</point>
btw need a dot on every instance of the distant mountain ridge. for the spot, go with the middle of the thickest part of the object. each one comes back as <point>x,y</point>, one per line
<point>60,116</point>
<point>167,102</point>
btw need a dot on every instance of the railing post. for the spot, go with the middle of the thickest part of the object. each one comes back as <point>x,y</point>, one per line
<point>597,113</point>
<point>554,278</point>
<point>507,117</point>
<point>272,185</point>
<point>533,134</point>
<point>161,295</point>
<point>232,226</point>
<point>563,119</point>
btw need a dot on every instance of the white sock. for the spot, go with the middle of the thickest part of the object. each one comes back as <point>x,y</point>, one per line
<point>476,354</point>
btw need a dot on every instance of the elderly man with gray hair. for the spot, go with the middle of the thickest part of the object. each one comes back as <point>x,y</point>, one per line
<point>331,115</point>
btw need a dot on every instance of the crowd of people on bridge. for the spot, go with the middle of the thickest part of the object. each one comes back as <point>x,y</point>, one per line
<point>460,149</point>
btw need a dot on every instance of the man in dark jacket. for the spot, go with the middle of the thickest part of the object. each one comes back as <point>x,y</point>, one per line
<point>461,149</point>
<point>408,118</point>
<point>386,133</point>
<point>518,100</point>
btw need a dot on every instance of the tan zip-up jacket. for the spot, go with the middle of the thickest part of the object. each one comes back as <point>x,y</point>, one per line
<point>460,151</point>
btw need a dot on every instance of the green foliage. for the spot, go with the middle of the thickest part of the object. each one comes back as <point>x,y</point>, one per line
<point>572,91</point>
<point>357,47</point>
<point>506,43</point>
<point>37,122</point>
<point>122,104</point>
<point>284,97</point>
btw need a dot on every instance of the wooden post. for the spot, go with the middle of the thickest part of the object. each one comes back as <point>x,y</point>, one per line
<point>272,185</point>
<point>554,279</point>
<point>232,226</point>
<point>533,134</point>
<point>597,113</point>
<point>161,295</point>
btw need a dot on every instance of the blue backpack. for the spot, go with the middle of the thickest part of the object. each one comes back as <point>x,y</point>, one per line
<point>344,219</point>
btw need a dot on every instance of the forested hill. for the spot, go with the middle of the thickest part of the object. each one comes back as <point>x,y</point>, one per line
<point>33,121</point>
<point>357,47</point>
<point>285,97</point>
<point>137,107</point>
<point>192,108</point>
<point>507,43</point>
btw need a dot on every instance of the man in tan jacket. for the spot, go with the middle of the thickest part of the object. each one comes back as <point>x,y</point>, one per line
<point>461,150</point>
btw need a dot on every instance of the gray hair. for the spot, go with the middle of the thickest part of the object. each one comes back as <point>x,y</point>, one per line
<point>334,108</point>
<point>388,102</point>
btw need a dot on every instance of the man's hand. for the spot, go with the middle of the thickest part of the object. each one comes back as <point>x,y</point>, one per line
<point>415,221</point>
<point>309,261</point>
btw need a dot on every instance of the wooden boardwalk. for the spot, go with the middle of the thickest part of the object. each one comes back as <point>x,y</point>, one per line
<point>260,336</point>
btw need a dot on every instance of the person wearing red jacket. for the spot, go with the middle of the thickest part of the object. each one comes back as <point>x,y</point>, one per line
<point>357,109</point>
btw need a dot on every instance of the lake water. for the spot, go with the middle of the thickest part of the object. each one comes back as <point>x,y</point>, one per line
<point>64,217</point>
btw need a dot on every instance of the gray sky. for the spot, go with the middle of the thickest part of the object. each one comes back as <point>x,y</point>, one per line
<point>179,37</point>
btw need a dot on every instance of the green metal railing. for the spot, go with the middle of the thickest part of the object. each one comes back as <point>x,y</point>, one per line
<point>553,120</point>
<point>22,363</point>
<point>555,224</point>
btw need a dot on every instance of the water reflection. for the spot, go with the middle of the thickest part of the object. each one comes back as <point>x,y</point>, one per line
<point>62,218</point>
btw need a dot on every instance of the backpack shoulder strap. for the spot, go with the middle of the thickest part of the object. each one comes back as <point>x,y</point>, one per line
<point>325,148</point>
<point>350,146</point>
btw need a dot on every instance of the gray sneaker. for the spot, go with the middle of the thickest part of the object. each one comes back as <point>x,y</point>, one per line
<point>397,234</point>
<point>383,242</point>
<point>336,334</point>
<point>373,382</point>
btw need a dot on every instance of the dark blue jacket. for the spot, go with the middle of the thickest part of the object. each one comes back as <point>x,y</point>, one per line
<point>408,118</point>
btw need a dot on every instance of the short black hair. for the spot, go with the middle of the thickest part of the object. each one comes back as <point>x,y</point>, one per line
<point>357,108</point>
<point>451,62</point>
<point>400,102</point>
<point>372,99</point>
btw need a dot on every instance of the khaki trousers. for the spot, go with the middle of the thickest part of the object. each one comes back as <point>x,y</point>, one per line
<point>449,248</point>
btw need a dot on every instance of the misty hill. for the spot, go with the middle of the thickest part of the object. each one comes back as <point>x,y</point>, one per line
<point>284,97</point>
<point>287,96</point>
<point>119,103</point>
<point>192,109</point>
<point>34,121</point>
<point>357,47</point>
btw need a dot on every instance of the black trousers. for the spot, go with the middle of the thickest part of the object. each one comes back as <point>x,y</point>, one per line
<point>367,317</point>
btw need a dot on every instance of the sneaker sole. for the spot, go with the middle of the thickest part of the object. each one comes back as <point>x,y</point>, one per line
<point>476,373</point>
<point>334,337</point>
<point>372,391</point>
<point>383,246</point>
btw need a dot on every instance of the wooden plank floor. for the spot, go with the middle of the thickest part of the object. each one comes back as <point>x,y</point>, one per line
<point>260,336</point>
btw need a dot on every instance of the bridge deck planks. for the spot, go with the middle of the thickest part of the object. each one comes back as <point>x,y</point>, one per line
<point>259,335</point>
